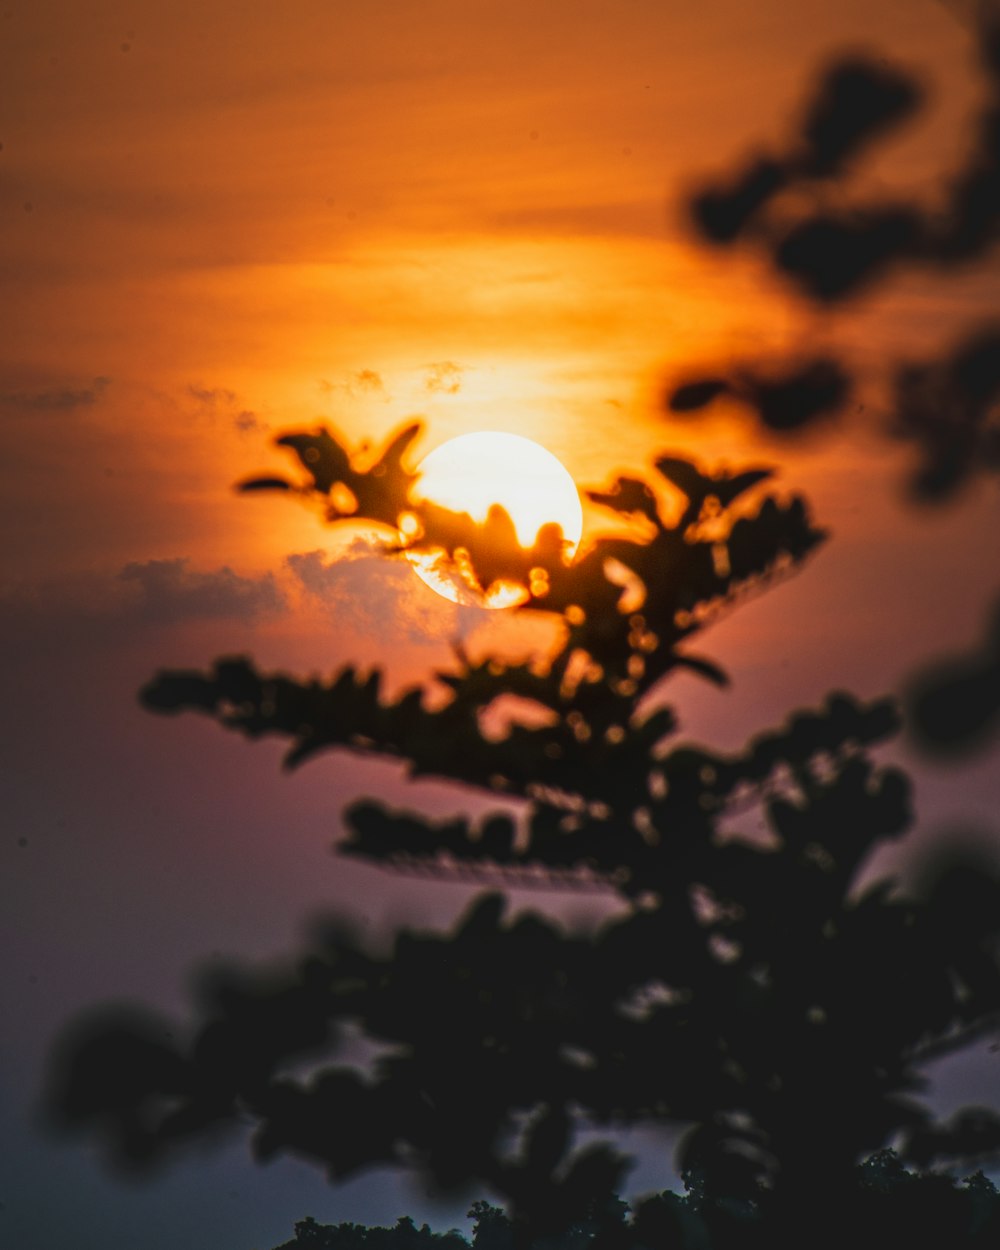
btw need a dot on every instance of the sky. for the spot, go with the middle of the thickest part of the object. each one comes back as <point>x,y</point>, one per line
<point>222,219</point>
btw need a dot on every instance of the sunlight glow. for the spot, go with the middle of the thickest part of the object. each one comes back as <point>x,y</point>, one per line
<point>474,472</point>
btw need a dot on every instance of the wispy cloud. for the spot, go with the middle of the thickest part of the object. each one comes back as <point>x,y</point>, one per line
<point>212,396</point>
<point>247,422</point>
<point>371,593</point>
<point>220,401</point>
<point>57,398</point>
<point>369,380</point>
<point>443,377</point>
<point>170,591</point>
<point>361,383</point>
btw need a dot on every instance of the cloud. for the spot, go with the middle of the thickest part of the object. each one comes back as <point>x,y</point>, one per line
<point>369,380</point>
<point>169,591</point>
<point>363,382</point>
<point>212,396</point>
<point>56,399</point>
<point>443,377</point>
<point>92,610</point>
<point>381,599</point>
<point>247,422</point>
<point>222,401</point>
<point>369,592</point>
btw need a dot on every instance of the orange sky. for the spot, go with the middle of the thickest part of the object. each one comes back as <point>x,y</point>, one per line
<point>220,218</point>
<point>220,222</point>
<point>241,220</point>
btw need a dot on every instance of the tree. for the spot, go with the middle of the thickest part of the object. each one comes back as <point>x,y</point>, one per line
<point>404,1235</point>
<point>886,1201</point>
<point>752,990</point>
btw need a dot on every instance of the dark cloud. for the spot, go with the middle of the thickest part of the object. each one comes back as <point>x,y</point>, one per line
<point>443,377</point>
<point>169,591</point>
<point>56,399</point>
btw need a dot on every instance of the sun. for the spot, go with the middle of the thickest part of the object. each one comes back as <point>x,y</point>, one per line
<point>474,473</point>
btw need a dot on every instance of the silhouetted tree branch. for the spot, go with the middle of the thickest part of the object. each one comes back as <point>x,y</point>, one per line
<point>754,989</point>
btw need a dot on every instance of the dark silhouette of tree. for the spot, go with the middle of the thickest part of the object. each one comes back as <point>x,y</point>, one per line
<point>887,1201</point>
<point>491,1229</point>
<point>404,1235</point>
<point>753,989</point>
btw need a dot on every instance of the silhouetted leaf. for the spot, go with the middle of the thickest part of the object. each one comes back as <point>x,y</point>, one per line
<point>263,483</point>
<point>723,213</point>
<point>694,395</point>
<point>859,100</point>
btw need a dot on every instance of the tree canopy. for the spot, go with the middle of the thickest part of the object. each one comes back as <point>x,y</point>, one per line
<point>753,989</point>
<point>886,1201</point>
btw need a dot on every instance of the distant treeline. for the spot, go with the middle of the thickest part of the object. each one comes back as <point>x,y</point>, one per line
<point>889,1204</point>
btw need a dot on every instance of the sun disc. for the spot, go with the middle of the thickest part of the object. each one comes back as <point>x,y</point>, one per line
<point>474,472</point>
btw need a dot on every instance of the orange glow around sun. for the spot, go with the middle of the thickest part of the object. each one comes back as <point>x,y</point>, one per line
<point>472,474</point>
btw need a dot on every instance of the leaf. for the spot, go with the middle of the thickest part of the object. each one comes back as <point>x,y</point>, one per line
<point>685,476</point>
<point>704,668</point>
<point>263,483</point>
<point>694,395</point>
<point>322,456</point>
<point>629,495</point>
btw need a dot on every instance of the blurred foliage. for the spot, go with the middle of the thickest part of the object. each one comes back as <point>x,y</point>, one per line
<point>954,705</point>
<point>832,249</point>
<point>751,986</point>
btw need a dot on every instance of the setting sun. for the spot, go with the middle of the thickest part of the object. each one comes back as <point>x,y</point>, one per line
<point>475,473</point>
